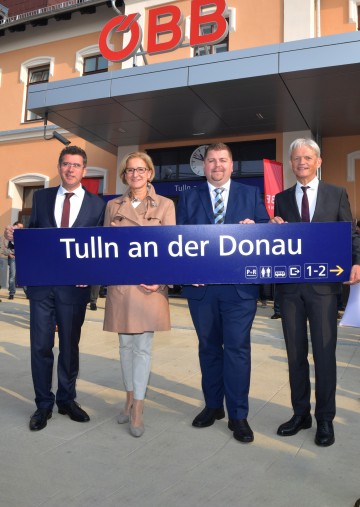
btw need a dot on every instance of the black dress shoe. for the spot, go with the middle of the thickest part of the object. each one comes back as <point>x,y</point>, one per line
<point>242,430</point>
<point>208,416</point>
<point>93,306</point>
<point>39,419</point>
<point>275,316</point>
<point>296,423</point>
<point>11,296</point>
<point>74,411</point>
<point>324,434</point>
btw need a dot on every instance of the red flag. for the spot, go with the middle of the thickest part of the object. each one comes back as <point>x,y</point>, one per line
<point>273,183</point>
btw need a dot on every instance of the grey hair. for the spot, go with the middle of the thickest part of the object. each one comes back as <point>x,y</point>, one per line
<point>304,142</point>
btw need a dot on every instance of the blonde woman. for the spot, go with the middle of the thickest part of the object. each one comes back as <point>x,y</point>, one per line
<point>136,311</point>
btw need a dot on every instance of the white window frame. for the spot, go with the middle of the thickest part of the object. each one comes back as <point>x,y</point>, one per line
<point>353,16</point>
<point>26,180</point>
<point>351,159</point>
<point>24,74</point>
<point>85,53</point>
<point>98,172</point>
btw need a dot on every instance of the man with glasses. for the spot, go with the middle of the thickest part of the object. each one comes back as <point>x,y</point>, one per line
<point>68,205</point>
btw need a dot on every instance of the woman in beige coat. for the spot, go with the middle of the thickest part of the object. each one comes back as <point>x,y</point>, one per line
<point>136,311</point>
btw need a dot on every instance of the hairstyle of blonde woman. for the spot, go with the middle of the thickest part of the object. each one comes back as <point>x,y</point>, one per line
<point>137,154</point>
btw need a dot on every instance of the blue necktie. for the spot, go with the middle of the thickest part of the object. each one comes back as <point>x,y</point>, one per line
<point>219,208</point>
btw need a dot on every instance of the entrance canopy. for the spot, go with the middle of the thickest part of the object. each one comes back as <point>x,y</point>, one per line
<point>309,84</point>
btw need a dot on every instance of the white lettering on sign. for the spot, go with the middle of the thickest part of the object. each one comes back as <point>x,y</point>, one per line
<point>94,250</point>
<point>228,246</point>
<point>139,250</point>
<point>181,188</point>
<point>97,248</point>
<point>190,248</point>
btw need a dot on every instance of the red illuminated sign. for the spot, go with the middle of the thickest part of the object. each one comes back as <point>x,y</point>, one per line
<point>172,27</point>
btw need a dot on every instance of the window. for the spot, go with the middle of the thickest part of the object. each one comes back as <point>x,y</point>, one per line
<point>36,75</point>
<point>95,64</point>
<point>216,48</point>
<point>174,163</point>
<point>24,214</point>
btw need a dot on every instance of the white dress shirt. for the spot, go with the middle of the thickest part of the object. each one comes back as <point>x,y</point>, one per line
<point>75,204</point>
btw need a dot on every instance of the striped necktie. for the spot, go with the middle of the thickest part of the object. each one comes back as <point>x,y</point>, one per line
<point>219,208</point>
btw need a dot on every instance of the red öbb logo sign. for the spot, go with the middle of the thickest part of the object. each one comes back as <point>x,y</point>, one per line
<point>172,28</point>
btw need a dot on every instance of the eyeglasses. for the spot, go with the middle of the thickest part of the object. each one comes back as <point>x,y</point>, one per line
<point>140,170</point>
<point>69,164</point>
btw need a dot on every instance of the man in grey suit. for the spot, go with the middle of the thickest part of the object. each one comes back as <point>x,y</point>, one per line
<point>311,200</point>
<point>61,306</point>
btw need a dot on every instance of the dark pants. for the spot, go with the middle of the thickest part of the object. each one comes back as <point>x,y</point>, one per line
<point>321,311</point>
<point>44,315</point>
<point>223,322</point>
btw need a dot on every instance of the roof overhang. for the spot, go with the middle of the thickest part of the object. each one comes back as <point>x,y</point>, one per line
<point>309,84</point>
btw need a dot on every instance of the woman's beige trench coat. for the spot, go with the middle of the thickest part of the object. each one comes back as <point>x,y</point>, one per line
<point>130,308</point>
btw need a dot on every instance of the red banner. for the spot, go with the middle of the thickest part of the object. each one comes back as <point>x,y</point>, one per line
<point>273,183</point>
<point>91,184</point>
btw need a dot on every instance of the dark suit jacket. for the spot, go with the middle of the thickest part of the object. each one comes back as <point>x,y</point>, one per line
<point>332,205</point>
<point>91,214</point>
<point>195,208</point>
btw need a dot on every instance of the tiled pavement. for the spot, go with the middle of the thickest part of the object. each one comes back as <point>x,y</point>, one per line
<point>173,464</point>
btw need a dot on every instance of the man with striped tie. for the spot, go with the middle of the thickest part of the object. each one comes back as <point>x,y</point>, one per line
<point>223,314</point>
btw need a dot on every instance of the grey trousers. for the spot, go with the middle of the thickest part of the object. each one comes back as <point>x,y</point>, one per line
<point>135,360</point>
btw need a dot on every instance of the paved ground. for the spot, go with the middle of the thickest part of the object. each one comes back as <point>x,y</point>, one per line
<point>173,465</point>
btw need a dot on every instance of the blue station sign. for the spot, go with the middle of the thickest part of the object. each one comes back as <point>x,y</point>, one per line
<point>185,254</point>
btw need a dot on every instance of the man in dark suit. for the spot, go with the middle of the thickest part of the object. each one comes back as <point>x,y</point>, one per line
<point>63,306</point>
<point>315,201</point>
<point>223,314</point>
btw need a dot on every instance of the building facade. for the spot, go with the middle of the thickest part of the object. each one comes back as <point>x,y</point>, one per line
<point>287,68</point>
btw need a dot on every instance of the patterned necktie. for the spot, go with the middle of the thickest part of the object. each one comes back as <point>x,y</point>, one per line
<point>66,210</point>
<point>219,208</point>
<point>305,211</point>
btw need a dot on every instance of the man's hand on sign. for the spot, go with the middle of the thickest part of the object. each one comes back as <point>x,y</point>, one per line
<point>277,220</point>
<point>246,221</point>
